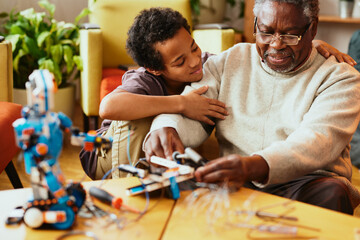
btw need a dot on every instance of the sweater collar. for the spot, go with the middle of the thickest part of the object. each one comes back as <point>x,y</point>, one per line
<point>303,67</point>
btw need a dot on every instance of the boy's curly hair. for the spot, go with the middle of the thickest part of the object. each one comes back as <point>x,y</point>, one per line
<point>151,26</point>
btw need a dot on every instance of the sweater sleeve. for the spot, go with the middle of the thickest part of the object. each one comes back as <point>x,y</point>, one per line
<point>324,133</point>
<point>192,133</point>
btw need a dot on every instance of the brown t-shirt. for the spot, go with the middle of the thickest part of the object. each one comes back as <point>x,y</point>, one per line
<point>140,81</point>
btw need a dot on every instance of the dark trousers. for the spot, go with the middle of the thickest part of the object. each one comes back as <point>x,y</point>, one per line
<point>326,192</point>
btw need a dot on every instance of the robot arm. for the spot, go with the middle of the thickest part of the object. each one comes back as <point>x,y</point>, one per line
<point>90,140</point>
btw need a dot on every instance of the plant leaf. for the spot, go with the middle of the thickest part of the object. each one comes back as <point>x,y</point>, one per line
<point>17,59</point>
<point>67,42</point>
<point>4,15</point>
<point>195,6</point>
<point>57,74</point>
<point>33,48</point>
<point>68,58</point>
<point>47,64</point>
<point>52,67</point>
<point>78,62</point>
<point>48,6</point>
<point>41,38</point>
<point>82,14</point>
<point>14,39</point>
<point>56,53</point>
<point>27,13</point>
<point>16,29</point>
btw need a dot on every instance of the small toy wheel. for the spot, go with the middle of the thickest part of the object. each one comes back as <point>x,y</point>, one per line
<point>33,217</point>
<point>174,156</point>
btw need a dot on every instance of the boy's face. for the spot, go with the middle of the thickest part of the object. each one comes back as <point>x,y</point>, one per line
<point>182,59</point>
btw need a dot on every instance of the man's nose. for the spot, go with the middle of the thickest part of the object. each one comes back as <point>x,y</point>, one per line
<point>277,42</point>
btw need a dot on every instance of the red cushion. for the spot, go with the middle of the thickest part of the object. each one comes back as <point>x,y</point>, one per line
<point>111,80</point>
<point>109,72</point>
<point>9,112</point>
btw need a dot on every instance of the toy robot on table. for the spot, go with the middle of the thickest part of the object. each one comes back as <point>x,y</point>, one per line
<point>39,133</point>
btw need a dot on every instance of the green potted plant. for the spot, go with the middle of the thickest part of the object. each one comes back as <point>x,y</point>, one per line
<point>211,11</point>
<point>40,42</point>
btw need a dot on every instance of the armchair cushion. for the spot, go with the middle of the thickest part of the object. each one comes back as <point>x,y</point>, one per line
<point>9,112</point>
<point>111,79</point>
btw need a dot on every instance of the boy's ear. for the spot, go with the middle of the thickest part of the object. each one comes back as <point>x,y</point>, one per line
<point>154,72</point>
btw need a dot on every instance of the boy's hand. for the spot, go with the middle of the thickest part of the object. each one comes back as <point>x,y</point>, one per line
<point>327,50</point>
<point>162,143</point>
<point>200,108</point>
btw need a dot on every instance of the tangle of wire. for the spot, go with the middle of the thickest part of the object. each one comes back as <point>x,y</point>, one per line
<point>128,145</point>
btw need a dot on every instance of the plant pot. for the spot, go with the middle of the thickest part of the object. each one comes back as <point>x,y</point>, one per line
<point>64,99</point>
<point>345,9</point>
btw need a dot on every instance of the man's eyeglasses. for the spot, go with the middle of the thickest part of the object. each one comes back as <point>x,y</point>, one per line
<point>288,39</point>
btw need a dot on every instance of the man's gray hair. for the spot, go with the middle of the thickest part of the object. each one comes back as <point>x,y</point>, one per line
<point>310,7</point>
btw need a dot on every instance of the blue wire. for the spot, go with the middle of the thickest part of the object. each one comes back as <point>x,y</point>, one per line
<point>147,196</point>
<point>107,173</point>
<point>128,145</point>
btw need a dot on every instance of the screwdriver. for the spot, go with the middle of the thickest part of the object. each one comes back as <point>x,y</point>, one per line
<point>107,198</point>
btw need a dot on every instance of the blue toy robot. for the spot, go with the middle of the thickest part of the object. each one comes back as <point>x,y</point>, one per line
<point>39,133</point>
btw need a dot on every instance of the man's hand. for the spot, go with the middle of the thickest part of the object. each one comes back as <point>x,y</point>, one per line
<point>162,143</point>
<point>327,50</point>
<point>235,169</point>
<point>200,108</point>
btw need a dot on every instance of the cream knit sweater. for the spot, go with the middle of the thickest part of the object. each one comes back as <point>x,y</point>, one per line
<point>299,122</point>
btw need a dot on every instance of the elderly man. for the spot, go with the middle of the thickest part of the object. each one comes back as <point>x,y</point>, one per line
<point>292,112</point>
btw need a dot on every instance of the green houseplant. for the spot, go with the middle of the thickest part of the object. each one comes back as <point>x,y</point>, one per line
<point>41,42</point>
<point>197,5</point>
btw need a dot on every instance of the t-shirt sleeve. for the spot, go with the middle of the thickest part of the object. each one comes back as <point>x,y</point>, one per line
<point>139,81</point>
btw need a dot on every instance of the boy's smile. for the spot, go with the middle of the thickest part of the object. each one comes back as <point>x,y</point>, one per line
<point>181,58</point>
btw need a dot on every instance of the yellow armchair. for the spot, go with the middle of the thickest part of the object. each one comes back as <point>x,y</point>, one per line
<point>9,112</point>
<point>103,40</point>
<point>6,71</point>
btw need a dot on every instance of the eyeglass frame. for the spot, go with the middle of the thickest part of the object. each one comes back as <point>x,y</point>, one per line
<point>299,37</point>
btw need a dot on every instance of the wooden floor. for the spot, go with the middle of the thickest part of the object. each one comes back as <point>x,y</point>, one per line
<point>69,160</point>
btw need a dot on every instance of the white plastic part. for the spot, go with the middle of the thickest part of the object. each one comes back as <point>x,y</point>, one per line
<point>54,216</point>
<point>183,169</point>
<point>193,155</point>
<point>163,162</point>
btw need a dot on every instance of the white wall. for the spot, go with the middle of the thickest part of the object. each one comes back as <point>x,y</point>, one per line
<point>337,34</point>
<point>66,10</point>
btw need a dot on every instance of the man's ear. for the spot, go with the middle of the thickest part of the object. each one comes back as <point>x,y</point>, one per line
<point>314,28</point>
<point>154,72</point>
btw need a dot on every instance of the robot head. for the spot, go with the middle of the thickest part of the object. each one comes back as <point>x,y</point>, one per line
<point>40,90</point>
